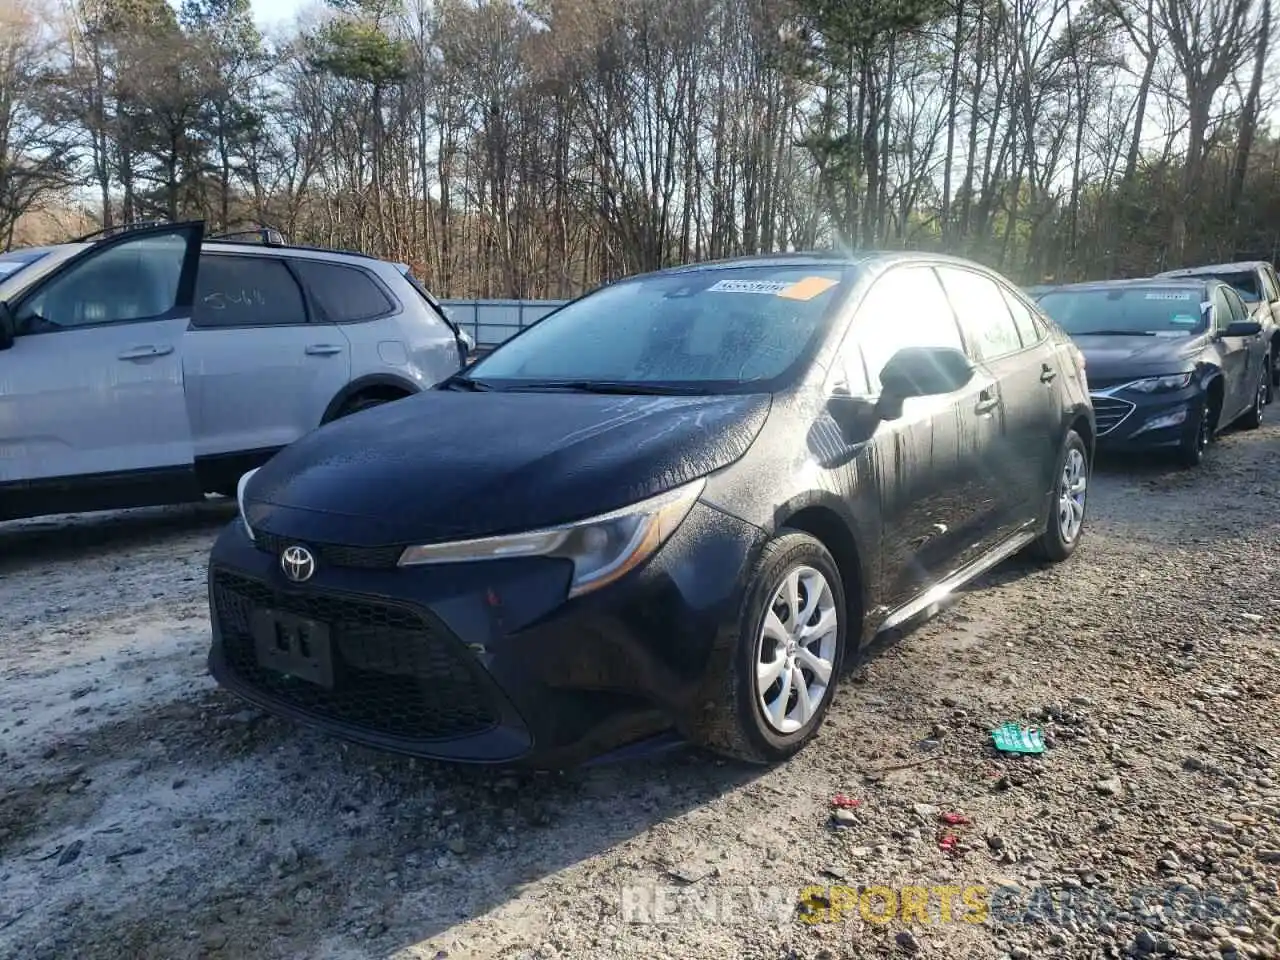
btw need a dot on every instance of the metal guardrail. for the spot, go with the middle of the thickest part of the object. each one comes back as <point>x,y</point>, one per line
<point>493,321</point>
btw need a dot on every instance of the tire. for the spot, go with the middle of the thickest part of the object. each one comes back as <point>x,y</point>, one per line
<point>363,402</point>
<point>1252,418</point>
<point>735,723</point>
<point>1191,450</point>
<point>1069,503</point>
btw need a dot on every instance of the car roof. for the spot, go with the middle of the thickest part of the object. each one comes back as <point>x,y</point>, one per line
<point>1240,266</point>
<point>816,258</point>
<point>1138,283</point>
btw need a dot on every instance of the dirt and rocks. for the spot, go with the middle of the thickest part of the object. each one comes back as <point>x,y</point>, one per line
<point>144,813</point>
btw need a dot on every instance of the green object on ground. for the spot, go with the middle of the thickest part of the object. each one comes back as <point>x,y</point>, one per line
<point>1012,738</point>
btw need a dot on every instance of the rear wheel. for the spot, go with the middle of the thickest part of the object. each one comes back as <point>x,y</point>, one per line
<point>790,648</point>
<point>1066,515</point>
<point>366,401</point>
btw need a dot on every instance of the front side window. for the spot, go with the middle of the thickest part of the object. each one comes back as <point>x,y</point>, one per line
<point>136,279</point>
<point>1239,312</point>
<point>246,292</point>
<point>344,294</point>
<point>1221,309</point>
<point>984,314</point>
<point>1127,311</point>
<point>1269,289</point>
<point>906,307</point>
<point>724,330</point>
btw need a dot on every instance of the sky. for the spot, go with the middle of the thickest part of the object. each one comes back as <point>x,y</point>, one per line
<point>269,12</point>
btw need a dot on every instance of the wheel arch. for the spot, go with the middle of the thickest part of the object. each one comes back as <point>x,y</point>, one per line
<point>374,383</point>
<point>823,521</point>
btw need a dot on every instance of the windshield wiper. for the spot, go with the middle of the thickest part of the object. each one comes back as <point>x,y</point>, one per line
<point>614,387</point>
<point>465,383</point>
<point>1113,333</point>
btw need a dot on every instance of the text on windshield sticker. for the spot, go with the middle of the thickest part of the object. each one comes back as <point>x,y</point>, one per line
<point>805,289</point>
<point>1167,296</point>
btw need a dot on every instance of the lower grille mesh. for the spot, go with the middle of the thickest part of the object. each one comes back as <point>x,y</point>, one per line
<point>393,673</point>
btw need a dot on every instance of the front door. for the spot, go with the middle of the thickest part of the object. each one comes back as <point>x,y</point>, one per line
<point>923,461</point>
<point>1238,371</point>
<point>93,382</point>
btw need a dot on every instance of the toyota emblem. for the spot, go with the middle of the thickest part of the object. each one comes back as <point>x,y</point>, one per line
<point>298,564</point>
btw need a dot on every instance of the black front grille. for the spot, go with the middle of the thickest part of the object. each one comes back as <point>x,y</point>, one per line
<point>1110,413</point>
<point>393,672</point>
<point>334,555</point>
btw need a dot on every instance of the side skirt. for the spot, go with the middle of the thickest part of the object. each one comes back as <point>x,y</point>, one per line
<point>930,602</point>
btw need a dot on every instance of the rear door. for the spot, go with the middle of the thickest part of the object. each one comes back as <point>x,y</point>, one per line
<point>1015,412</point>
<point>93,384</point>
<point>261,364</point>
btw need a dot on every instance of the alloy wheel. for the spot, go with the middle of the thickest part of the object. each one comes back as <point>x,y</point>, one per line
<point>1260,401</point>
<point>1072,488</point>
<point>796,650</point>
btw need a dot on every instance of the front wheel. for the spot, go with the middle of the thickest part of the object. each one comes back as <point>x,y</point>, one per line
<point>1070,493</point>
<point>1196,442</point>
<point>783,671</point>
<point>1253,416</point>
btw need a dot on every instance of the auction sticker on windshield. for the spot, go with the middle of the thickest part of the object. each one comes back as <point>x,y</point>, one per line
<point>1167,296</point>
<point>805,289</point>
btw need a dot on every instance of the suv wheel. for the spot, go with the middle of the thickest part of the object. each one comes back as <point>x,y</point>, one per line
<point>1066,512</point>
<point>790,648</point>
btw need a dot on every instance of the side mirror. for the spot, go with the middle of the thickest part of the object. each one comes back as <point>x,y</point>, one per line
<point>921,372</point>
<point>8,326</point>
<point>1243,328</point>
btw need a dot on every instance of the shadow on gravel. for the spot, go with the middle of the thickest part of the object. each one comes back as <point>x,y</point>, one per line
<point>69,536</point>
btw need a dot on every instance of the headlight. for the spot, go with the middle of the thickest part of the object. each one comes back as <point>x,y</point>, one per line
<point>240,487</point>
<point>602,548</point>
<point>1174,381</point>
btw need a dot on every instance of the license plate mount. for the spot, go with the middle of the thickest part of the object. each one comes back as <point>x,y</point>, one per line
<point>293,645</point>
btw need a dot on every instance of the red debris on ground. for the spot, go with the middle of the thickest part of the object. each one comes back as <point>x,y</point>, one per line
<point>845,803</point>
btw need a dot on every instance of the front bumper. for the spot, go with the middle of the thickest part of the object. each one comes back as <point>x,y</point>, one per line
<point>487,662</point>
<point>1132,421</point>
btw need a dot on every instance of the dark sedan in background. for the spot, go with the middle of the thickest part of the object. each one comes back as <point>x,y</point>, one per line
<point>683,499</point>
<point>1170,362</point>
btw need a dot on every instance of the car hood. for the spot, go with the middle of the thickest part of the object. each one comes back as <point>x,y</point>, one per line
<point>1110,358</point>
<point>443,465</point>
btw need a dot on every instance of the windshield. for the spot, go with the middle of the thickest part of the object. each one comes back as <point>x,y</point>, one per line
<point>15,260</point>
<point>1128,310</point>
<point>718,330</point>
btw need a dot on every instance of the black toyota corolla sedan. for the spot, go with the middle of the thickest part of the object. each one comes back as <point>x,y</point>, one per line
<point>1171,361</point>
<point>681,501</point>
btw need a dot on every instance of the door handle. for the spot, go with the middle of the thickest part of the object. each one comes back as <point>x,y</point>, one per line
<point>987,401</point>
<point>1047,373</point>
<point>146,352</point>
<point>323,349</point>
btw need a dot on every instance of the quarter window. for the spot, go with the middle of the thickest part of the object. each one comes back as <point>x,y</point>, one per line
<point>137,279</point>
<point>906,307</point>
<point>246,292</point>
<point>984,315</point>
<point>344,294</point>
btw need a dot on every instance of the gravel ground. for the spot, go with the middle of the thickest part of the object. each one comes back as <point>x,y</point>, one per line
<point>143,813</point>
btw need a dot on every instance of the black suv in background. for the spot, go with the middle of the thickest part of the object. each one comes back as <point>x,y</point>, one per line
<point>682,499</point>
<point>1171,362</point>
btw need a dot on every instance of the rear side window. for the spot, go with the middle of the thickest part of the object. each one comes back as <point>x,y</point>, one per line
<point>246,292</point>
<point>984,314</point>
<point>1023,318</point>
<point>344,294</point>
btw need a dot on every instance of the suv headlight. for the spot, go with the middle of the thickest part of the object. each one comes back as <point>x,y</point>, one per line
<point>1174,381</point>
<point>602,548</point>
<point>240,488</point>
